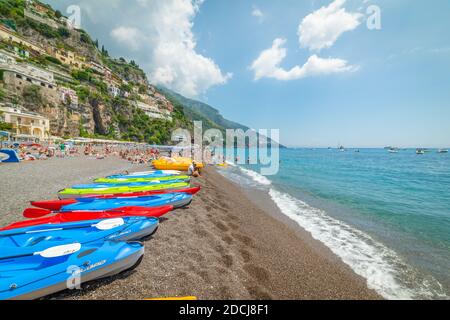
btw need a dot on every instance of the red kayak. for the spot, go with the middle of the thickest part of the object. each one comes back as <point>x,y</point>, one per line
<point>86,216</point>
<point>56,205</point>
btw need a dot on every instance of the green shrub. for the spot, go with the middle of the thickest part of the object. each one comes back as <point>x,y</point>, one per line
<point>82,93</point>
<point>81,75</point>
<point>53,60</point>
<point>3,125</point>
<point>63,32</point>
<point>32,95</point>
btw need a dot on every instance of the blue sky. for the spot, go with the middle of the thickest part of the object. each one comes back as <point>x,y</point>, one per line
<point>360,87</point>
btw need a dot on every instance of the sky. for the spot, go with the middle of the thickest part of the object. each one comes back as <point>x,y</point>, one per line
<point>358,73</point>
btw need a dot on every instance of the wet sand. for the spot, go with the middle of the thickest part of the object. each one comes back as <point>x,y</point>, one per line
<point>222,247</point>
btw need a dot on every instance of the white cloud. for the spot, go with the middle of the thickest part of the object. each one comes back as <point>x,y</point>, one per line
<point>322,28</point>
<point>256,12</point>
<point>164,39</point>
<point>128,36</point>
<point>267,65</point>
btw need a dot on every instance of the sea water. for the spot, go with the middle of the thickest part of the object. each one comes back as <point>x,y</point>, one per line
<point>386,215</point>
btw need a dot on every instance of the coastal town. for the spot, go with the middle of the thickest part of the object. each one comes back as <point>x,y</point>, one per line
<point>56,83</point>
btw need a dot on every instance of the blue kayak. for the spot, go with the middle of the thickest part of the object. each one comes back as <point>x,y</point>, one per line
<point>32,239</point>
<point>125,184</point>
<point>148,174</point>
<point>29,277</point>
<point>177,200</point>
<point>142,176</point>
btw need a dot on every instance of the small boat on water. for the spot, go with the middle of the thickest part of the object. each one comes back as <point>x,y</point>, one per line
<point>420,151</point>
<point>442,151</point>
<point>393,150</point>
<point>341,149</point>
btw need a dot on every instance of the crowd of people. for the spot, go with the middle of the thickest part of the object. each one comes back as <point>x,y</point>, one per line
<point>139,155</point>
<point>136,154</point>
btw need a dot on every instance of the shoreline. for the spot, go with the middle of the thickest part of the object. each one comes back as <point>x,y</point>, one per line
<point>222,247</point>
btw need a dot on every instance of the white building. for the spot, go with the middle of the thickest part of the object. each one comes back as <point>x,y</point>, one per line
<point>153,111</point>
<point>114,91</point>
<point>26,73</point>
<point>68,94</point>
<point>25,122</point>
<point>6,58</point>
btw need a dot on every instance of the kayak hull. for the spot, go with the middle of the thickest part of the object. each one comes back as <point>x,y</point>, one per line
<point>140,179</point>
<point>28,240</point>
<point>77,193</point>
<point>177,200</point>
<point>68,217</point>
<point>153,173</point>
<point>129,184</point>
<point>93,262</point>
<point>56,205</point>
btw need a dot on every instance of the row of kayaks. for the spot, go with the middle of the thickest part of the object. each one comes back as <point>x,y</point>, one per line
<point>72,240</point>
<point>141,182</point>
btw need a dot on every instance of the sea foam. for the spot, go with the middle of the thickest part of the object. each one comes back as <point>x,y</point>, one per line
<point>256,177</point>
<point>385,271</point>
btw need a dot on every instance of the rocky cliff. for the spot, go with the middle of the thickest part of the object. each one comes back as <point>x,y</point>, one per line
<point>107,89</point>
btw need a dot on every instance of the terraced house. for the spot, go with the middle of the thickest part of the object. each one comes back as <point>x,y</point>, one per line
<point>69,58</point>
<point>11,37</point>
<point>26,123</point>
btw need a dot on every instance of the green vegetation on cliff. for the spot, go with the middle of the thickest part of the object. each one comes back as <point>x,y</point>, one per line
<point>4,126</point>
<point>98,113</point>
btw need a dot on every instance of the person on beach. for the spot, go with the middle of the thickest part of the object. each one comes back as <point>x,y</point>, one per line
<point>193,170</point>
<point>62,148</point>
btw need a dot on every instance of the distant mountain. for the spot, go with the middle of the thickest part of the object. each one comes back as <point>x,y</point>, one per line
<point>199,111</point>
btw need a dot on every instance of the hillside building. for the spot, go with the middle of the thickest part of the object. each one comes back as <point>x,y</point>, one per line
<point>25,122</point>
<point>9,36</point>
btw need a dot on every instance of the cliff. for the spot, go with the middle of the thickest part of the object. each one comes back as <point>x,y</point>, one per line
<point>90,94</point>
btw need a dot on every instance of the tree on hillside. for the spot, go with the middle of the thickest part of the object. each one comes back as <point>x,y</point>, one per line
<point>105,52</point>
<point>3,125</point>
<point>32,97</point>
<point>64,32</point>
<point>58,14</point>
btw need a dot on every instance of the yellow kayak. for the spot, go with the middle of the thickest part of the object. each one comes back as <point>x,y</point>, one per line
<point>181,164</point>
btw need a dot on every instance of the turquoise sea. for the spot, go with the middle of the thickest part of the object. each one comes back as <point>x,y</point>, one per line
<point>386,215</point>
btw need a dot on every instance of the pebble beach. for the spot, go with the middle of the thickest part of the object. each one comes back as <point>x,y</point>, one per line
<point>222,247</point>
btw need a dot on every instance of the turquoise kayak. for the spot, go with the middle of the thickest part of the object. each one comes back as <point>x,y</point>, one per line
<point>126,184</point>
<point>91,249</point>
<point>28,277</point>
<point>36,238</point>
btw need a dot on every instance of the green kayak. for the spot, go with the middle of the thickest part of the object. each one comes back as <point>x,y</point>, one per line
<point>76,193</point>
<point>149,179</point>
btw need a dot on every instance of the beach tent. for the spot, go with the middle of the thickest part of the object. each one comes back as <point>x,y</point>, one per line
<point>8,156</point>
